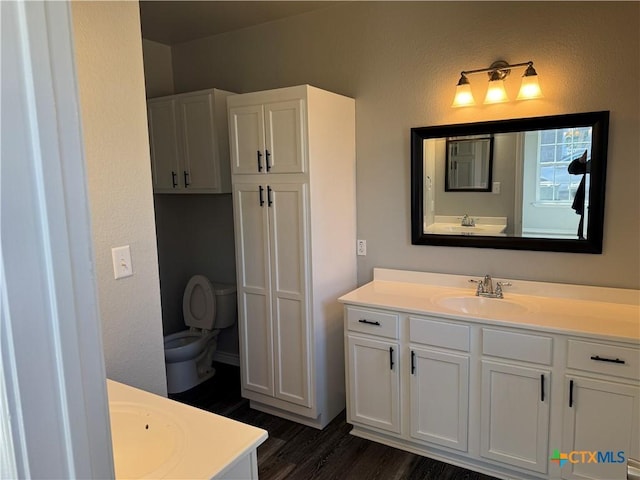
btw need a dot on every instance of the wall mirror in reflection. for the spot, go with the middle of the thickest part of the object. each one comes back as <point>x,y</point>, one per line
<point>535,184</point>
<point>468,164</point>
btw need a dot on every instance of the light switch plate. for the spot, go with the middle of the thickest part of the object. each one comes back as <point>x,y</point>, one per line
<point>122,266</point>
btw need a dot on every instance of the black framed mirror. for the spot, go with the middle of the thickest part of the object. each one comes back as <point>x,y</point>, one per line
<point>468,164</point>
<point>545,188</point>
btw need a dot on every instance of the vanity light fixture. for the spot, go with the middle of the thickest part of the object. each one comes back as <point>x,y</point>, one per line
<point>496,93</point>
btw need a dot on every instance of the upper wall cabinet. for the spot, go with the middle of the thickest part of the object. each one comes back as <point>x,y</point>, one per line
<point>267,137</point>
<point>188,137</point>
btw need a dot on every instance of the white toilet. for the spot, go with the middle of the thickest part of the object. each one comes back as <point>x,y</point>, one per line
<point>207,308</point>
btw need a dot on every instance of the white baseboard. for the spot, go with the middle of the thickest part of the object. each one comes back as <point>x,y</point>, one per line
<point>228,358</point>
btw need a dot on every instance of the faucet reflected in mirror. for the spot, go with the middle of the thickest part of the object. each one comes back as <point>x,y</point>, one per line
<point>467,221</point>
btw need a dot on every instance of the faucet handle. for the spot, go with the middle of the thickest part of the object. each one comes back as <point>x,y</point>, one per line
<point>499,286</point>
<point>480,288</point>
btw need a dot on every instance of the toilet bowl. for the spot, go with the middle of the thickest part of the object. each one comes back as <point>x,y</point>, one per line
<point>207,308</point>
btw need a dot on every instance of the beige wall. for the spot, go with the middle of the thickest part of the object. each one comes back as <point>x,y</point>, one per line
<point>401,61</point>
<point>112,103</point>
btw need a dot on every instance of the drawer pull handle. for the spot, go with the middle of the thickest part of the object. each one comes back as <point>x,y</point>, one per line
<point>413,362</point>
<point>598,358</point>
<point>369,322</point>
<point>391,358</point>
<point>571,394</point>
<point>542,387</point>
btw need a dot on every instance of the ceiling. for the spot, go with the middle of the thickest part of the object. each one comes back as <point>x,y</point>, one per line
<point>172,22</point>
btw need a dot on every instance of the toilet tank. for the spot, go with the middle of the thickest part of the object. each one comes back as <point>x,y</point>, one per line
<point>226,306</point>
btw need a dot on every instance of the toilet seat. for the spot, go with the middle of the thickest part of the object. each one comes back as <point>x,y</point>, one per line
<point>199,303</point>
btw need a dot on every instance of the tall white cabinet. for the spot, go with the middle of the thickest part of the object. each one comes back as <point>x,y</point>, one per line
<point>293,176</point>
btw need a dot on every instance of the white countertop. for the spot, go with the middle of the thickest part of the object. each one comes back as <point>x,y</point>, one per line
<point>615,315</point>
<point>205,443</point>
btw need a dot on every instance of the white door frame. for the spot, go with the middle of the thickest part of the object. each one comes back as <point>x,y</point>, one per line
<point>54,419</point>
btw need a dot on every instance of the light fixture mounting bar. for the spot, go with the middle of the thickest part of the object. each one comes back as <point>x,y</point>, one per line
<point>499,65</point>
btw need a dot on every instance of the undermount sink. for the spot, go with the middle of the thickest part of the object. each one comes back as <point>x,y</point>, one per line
<point>147,443</point>
<point>482,305</point>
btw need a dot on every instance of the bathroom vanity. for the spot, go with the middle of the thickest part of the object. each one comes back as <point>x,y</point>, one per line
<point>155,437</point>
<point>507,386</point>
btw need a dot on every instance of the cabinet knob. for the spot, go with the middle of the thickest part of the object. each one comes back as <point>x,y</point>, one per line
<point>174,179</point>
<point>259,160</point>
<point>186,179</point>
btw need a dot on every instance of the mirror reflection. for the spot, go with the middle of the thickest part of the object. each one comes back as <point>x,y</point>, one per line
<point>529,183</point>
<point>468,166</point>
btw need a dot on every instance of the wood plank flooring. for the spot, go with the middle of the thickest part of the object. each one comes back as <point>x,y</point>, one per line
<point>297,452</point>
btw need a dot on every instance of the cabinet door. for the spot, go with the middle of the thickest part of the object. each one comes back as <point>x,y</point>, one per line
<point>374,388</point>
<point>201,171</point>
<point>515,415</point>
<point>165,153</point>
<point>254,301</point>
<point>246,139</point>
<point>439,397</point>
<point>602,417</point>
<point>285,137</point>
<point>288,240</point>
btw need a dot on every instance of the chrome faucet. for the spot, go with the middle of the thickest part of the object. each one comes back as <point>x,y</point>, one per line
<point>485,287</point>
<point>467,221</point>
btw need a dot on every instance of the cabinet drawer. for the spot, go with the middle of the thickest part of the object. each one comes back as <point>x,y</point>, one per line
<point>517,346</point>
<point>603,358</point>
<point>372,322</point>
<point>439,333</point>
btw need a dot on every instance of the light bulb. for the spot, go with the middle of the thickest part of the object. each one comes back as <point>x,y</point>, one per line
<point>496,92</point>
<point>530,88</point>
<point>463,97</point>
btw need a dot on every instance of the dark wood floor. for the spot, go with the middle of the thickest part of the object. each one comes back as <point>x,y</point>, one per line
<point>296,452</point>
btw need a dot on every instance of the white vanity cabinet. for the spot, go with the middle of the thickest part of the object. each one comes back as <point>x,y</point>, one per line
<point>373,369</point>
<point>295,227</point>
<point>189,142</point>
<point>500,390</point>
<point>515,399</point>
<point>601,408</point>
<point>439,382</point>
<point>374,393</point>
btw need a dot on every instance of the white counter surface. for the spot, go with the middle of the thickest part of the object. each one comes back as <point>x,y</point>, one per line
<point>204,444</point>
<point>614,314</point>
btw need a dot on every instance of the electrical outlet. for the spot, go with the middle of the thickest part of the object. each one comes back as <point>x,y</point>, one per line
<point>121,257</point>
<point>496,188</point>
<point>361,248</point>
